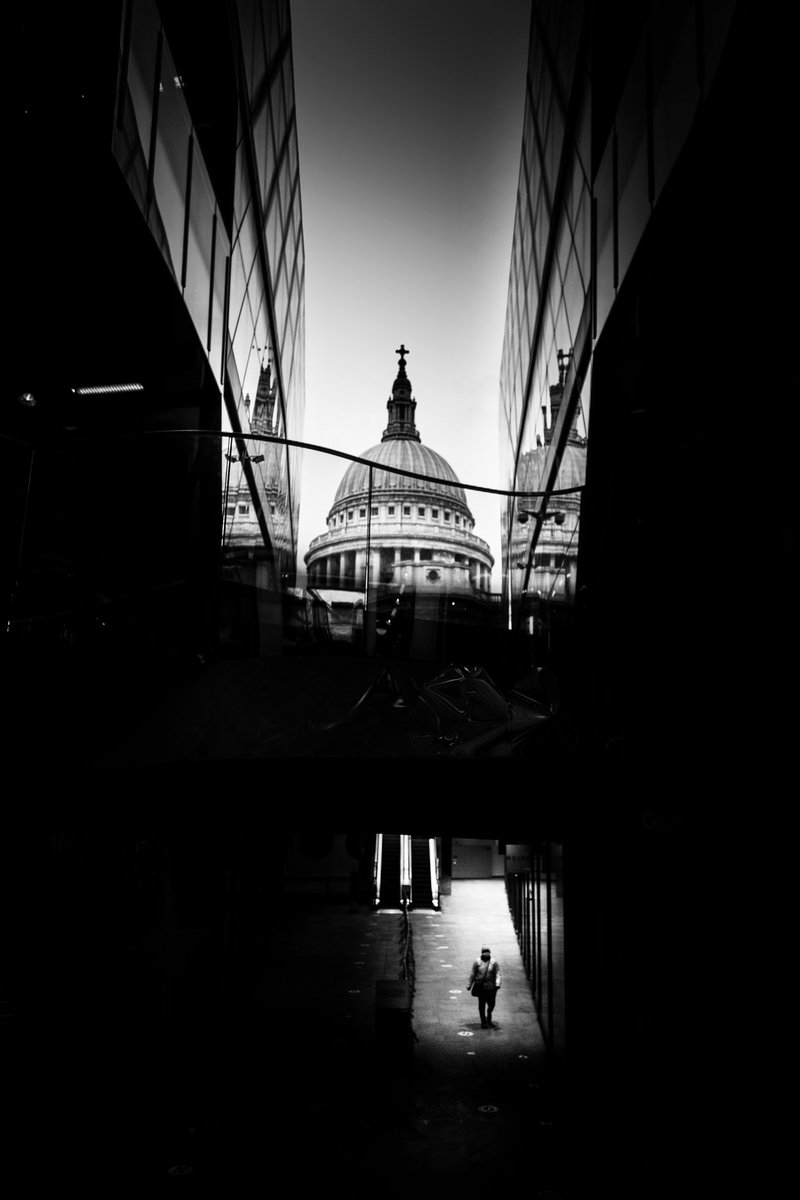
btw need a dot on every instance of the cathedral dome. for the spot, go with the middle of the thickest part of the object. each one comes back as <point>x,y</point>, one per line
<point>407,455</point>
<point>400,518</point>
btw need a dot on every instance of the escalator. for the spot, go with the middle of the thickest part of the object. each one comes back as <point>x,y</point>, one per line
<point>421,884</point>
<point>389,889</point>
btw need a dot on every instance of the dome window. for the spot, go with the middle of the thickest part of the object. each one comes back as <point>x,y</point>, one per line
<point>374,510</point>
<point>244,508</point>
<point>362,512</point>
<point>341,518</point>
<point>390,510</point>
<point>420,512</point>
<point>458,519</point>
<point>350,514</point>
<point>406,510</point>
<point>447,514</point>
<point>435,514</point>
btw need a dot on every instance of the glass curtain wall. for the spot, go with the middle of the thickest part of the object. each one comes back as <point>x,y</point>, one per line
<point>544,386</point>
<point>265,383</point>
<point>612,93</point>
<point>239,266</point>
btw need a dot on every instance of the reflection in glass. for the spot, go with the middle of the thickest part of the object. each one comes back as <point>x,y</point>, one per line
<point>400,532</point>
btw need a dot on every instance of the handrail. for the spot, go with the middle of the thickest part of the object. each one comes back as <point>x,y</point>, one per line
<point>434,862</point>
<point>406,971</point>
<point>284,441</point>
<point>376,898</point>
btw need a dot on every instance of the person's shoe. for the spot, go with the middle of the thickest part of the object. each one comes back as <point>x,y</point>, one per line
<point>484,1025</point>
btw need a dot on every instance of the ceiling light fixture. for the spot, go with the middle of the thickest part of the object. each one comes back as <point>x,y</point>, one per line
<point>108,389</point>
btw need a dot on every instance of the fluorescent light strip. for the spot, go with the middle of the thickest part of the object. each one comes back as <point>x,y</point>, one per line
<point>108,389</point>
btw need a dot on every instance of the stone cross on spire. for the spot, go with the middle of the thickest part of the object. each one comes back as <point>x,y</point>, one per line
<point>402,352</point>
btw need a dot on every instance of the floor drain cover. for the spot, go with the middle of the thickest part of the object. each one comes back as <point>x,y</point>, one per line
<point>465,1033</point>
<point>488,1108</point>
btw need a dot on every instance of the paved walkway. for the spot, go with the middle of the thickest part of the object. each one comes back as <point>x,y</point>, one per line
<point>465,1101</point>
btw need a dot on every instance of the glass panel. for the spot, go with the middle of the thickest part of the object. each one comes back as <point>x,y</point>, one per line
<point>281,300</point>
<point>289,249</point>
<point>288,82</point>
<point>285,186</point>
<point>677,92</point>
<point>253,47</point>
<point>632,188</point>
<point>171,159</point>
<point>142,68</point>
<point>216,348</point>
<point>247,242</point>
<point>582,235</point>
<point>397,594</point>
<point>604,195</point>
<point>244,341</point>
<point>231,582</point>
<point>273,32</point>
<point>292,154</point>
<point>241,195</point>
<point>270,160</point>
<point>198,260</point>
<point>278,108</point>
<point>262,143</point>
<point>274,233</point>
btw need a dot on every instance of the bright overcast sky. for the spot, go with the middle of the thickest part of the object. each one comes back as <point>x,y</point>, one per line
<point>409,120</point>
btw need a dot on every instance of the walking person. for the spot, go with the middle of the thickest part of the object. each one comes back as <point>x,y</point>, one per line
<point>484,983</point>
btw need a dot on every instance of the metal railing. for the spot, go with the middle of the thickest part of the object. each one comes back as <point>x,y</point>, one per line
<point>376,876</point>
<point>434,863</point>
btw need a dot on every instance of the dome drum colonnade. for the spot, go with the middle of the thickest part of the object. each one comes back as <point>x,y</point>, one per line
<point>416,527</point>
